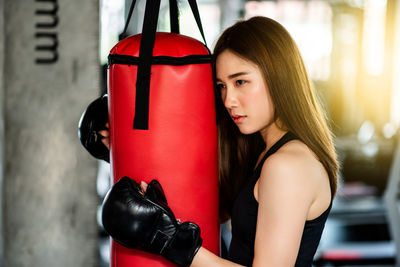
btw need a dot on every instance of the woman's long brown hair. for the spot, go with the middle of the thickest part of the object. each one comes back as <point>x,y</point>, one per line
<point>267,43</point>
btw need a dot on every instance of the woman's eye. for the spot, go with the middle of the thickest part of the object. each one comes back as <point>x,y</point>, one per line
<point>220,86</point>
<point>240,82</point>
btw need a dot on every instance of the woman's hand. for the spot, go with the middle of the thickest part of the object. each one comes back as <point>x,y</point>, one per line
<point>143,185</point>
<point>138,217</point>
<point>105,136</point>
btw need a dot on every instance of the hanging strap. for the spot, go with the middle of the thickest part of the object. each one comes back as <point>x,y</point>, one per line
<point>147,41</point>
<point>196,14</point>
<point>144,68</point>
<point>128,18</point>
<point>173,16</point>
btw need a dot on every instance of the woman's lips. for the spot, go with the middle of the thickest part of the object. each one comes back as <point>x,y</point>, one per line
<point>237,118</point>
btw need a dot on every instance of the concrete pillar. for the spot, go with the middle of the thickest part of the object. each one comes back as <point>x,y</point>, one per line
<point>51,72</point>
<point>1,120</point>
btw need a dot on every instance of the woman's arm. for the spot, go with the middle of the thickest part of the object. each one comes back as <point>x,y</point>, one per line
<point>205,258</point>
<point>285,193</point>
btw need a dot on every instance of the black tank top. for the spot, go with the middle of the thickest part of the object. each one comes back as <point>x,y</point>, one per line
<point>244,219</point>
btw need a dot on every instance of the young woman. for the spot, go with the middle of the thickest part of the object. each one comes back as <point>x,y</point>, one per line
<point>278,167</point>
<point>277,160</point>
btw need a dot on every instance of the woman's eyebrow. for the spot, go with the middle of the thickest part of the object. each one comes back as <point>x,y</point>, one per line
<point>232,76</point>
<point>237,74</point>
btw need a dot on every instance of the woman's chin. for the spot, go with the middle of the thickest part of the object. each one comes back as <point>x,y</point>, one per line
<point>246,131</point>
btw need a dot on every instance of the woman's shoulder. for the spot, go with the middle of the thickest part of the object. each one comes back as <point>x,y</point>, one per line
<point>294,163</point>
<point>294,154</point>
<point>294,177</point>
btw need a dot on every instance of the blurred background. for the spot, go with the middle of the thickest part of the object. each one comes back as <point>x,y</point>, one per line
<point>53,61</point>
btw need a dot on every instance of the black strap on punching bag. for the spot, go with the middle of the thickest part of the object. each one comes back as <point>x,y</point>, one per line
<point>173,16</point>
<point>141,120</point>
<point>128,18</point>
<point>196,14</point>
<point>147,41</point>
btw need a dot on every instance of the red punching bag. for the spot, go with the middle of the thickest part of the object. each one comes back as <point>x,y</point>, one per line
<point>163,126</point>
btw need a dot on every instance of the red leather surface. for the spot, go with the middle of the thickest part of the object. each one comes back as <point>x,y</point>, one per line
<point>180,147</point>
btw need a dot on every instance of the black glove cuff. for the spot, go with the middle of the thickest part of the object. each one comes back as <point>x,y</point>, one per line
<point>184,245</point>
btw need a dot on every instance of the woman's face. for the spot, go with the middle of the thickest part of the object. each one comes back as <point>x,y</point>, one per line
<point>244,92</point>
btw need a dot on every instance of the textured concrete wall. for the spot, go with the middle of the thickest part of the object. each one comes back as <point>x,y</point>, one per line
<point>1,119</point>
<point>49,192</point>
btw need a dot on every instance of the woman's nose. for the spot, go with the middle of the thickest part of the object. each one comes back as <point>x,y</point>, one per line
<point>230,99</point>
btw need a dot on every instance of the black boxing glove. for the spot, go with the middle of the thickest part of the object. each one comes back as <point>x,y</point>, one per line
<point>94,119</point>
<point>145,222</point>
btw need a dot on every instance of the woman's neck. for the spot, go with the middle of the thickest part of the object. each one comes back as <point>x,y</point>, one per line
<point>271,135</point>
